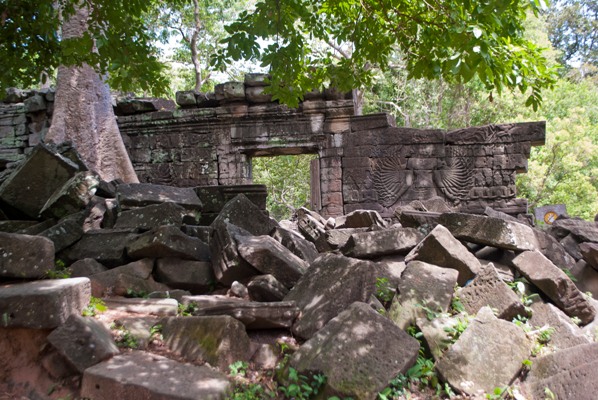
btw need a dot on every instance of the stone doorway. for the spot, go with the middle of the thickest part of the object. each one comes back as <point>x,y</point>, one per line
<point>292,181</point>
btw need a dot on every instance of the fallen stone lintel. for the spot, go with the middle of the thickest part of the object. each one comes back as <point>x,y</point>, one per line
<point>253,315</point>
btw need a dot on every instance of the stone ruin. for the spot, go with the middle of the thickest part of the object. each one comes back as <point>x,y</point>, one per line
<point>222,282</point>
<point>364,162</point>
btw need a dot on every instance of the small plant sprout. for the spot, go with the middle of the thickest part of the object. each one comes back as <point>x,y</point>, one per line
<point>95,306</point>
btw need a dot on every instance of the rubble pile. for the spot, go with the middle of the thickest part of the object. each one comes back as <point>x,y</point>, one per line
<point>489,301</point>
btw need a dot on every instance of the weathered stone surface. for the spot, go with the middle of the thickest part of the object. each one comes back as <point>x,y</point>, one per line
<point>589,252</point>
<point>255,94</point>
<point>417,219</point>
<point>488,354</point>
<point>134,277</point>
<point>571,246</point>
<point>239,217</point>
<point>242,212</point>
<point>194,276</point>
<point>168,241</point>
<point>568,374</point>
<point>228,265</point>
<point>488,289</point>
<point>83,341</point>
<point>422,285</point>
<point>32,183</point>
<point>381,243</point>
<point>583,231</point>
<point>144,194</point>
<point>555,284</point>
<point>72,197</point>
<point>43,304</point>
<point>230,91</point>
<point>312,227</point>
<point>106,246</point>
<point>270,257</point>
<point>330,285</point>
<point>293,241</point>
<point>141,375</point>
<point>159,307</point>
<point>139,327</point>
<point>66,232</point>
<point>14,226</point>
<point>214,198</point>
<point>586,278</point>
<point>85,268</point>
<point>186,98</point>
<point>490,231</point>
<point>338,238</point>
<point>252,314</point>
<point>391,268</point>
<point>266,288</point>
<point>151,216</point>
<point>362,366</point>
<point>24,256</point>
<point>442,249</point>
<point>237,289</point>
<point>553,250</point>
<point>218,340</point>
<point>436,332</point>
<point>360,219</point>
<point>566,334</point>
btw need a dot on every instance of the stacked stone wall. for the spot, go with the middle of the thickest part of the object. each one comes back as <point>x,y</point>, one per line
<point>364,162</point>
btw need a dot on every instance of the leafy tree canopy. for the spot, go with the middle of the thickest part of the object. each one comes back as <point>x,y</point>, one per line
<point>573,29</point>
<point>117,42</point>
<point>300,41</point>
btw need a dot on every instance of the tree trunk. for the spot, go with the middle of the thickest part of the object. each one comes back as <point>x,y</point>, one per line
<point>83,115</point>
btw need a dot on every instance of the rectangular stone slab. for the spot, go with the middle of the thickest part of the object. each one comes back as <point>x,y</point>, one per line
<point>141,375</point>
<point>43,304</point>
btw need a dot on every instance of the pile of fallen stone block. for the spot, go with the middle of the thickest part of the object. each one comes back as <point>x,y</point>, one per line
<point>495,302</point>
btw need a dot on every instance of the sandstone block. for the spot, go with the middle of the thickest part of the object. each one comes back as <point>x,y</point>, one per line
<point>566,334</point>
<point>381,243</point>
<point>159,307</point>
<point>151,216</point>
<point>330,285</point>
<point>555,284</point>
<point>227,263</point>
<point>72,197</point>
<point>43,304</point>
<point>589,252</point>
<point>218,340</point>
<point>360,367</point>
<point>107,246</point>
<point>488,289</point>
<point>441,248</point>
<point>488,354</point>
<point>83,341</point>
<point>270,257</point>
<point>24,256</point>
<point>141,375</point>
<point>293,241</point>
<point>133,195</point>
<point>32,183</point>
<point>568,374</point>
<point>133,277</point>
<point>583,231</point>
<point>490,231</point>
<point>85,268</point>
<point>266,288</point>
<point>253,315</point>
<point>168,241</point>
<point>422,285</point>
<point>194,276</point>
<point>360,219</point>
<point>66,232</point>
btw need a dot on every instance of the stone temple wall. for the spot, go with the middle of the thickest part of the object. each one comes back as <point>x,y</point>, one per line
<point>363,161</point>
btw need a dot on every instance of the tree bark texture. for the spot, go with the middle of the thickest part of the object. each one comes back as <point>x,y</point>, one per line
<point>83,115</point>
